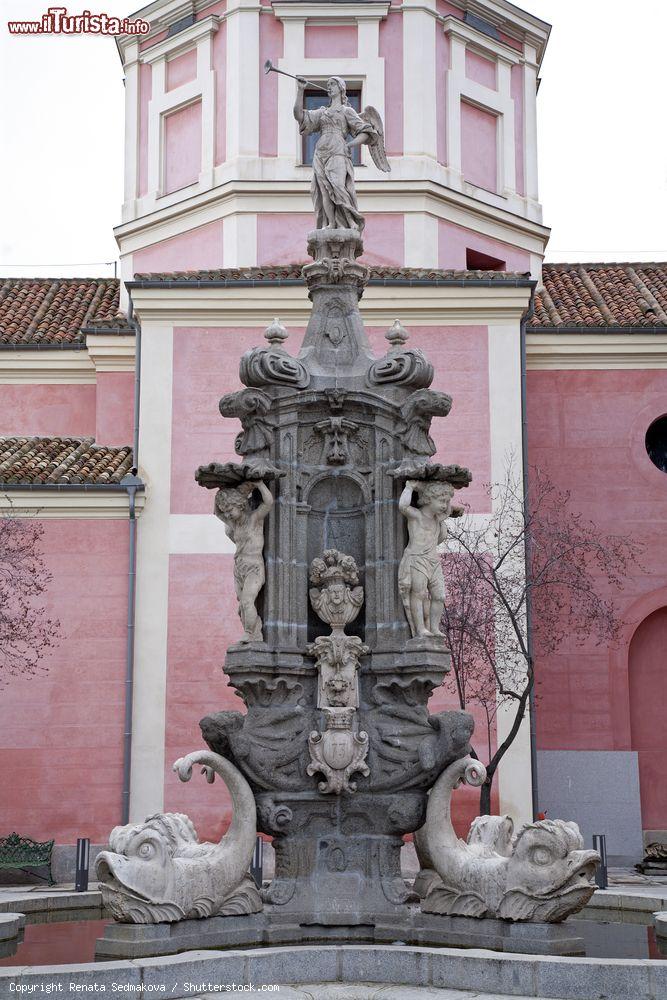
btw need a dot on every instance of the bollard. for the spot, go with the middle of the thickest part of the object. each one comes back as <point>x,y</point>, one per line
<point>600,845</point>
<point>257,863</point>
<point>82,863</point>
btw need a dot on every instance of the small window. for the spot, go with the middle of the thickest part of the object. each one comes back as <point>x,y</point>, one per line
<point>656,443</point>
<point>476,261</point>
<point>317,99</point>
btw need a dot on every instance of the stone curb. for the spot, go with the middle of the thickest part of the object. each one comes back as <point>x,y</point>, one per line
<point>10,925</point>
<point>607,899</point>
<point>43,902</point>
<point>660,923</point>
<point>193,972</point>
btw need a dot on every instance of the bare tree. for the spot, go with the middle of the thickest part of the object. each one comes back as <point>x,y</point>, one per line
<point>26,631</point>
<point>539,558</point>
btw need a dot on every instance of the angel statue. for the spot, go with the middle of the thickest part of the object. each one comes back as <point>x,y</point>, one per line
<point>332,188</point>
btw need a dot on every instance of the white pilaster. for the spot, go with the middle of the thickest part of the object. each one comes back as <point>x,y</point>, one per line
<point>239,240</point>
<point>150,665</point>
<point>419,79</point>
<point>131,67</point>
<point>514,772</point>
<point>243,70</point>
<point>530,123</point>
<point>453,77</point>
<point>421,239</point>
<point>505,145</point>
<point>294,43</point>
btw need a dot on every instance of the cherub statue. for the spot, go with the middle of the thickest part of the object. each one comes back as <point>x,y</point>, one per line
<point>332,189</point>
<point>421,582</point>
<point>245,526</point>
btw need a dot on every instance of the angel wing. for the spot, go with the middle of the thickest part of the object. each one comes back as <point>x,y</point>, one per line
<point>376,140</point>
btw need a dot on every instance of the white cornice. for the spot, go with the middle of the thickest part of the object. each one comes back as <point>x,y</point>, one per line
<point>429,305</point>
<point>577,351</point>
<point>478,40</point>
<point>68,504</point>
<point>183,40</point>
<point>332,11</point>
<point>46,367</point>
<point>395,195</point>
<point>112,352</point>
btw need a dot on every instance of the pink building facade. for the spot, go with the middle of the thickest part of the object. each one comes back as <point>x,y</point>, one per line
<point>211,239</point>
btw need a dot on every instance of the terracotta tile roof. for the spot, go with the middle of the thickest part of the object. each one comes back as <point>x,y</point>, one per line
<point>292,272</point>
<point>42,460</point>
<point>53,310</point>
<point>601,296</point>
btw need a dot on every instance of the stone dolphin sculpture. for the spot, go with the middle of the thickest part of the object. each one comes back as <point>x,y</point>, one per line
<point>542,873</point>
<point>159,872</point>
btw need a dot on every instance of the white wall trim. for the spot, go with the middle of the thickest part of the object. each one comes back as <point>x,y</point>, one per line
<point>367,69</point>
<point>595,351</point>
<point>46,368</point>
<point>150,684</point>
<point>332,12</point>
<point>514,772</point>
<point>198,534</point>
<point>394,194</point>
<point>112,352</point>
<point>69,504</point>
<point>255,307</point>
<point>476,40</point>
<point>180,42</point>
<point>500,102</point>
<point>164,102</point>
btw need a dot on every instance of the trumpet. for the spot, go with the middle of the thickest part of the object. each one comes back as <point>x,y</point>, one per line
<point>270,68</point>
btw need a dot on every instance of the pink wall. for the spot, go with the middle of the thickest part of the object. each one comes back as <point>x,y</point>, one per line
<point>193,250</point>
<point>270,47</point>
<point>281,239</point>
<point>479,146</point>
<point>202,623</point>
<point>459,355</point>
<point>516,85</point>
<point>48,410</point>
<point>145,92</point>
<point>220,67</point>
<point>481,70</point>
<point>114,417</point>
<point>586,431</point>
<point>61,732</point>
<point>453,241</point>
<point>324,41</point>
<point>206,365</point>
<point>182,147</point>
<point>648,696</point>
<point>181,69</point>
<point>391,50</point>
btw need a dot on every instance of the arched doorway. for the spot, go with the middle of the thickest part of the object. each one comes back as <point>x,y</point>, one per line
<point>647,675</point>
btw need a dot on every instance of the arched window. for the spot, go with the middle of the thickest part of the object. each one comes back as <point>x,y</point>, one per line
<point>647,677</point>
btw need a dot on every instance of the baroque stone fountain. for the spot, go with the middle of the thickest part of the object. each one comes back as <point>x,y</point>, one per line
<point>337,514</point>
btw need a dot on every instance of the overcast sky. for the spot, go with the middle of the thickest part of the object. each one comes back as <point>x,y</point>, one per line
<point>601,116</point>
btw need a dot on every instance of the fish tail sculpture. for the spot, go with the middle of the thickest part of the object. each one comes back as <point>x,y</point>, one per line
<point>541,874</point>
<point>159,872</point>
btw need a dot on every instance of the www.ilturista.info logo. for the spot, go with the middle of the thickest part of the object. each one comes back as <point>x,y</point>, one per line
<point>56,21</point>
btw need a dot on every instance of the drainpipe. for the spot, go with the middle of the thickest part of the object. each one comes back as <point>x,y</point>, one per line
<point>529,630</point>
<point>131,483</point>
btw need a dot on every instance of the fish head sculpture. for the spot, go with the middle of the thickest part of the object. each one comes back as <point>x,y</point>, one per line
<point>549,874</point>
<point>138,874</point>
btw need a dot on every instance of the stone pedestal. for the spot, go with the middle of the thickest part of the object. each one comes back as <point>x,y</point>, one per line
<point>333,427</point>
